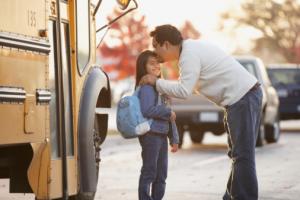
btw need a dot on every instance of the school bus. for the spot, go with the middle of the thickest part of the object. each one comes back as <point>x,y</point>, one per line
<point>50,87</point>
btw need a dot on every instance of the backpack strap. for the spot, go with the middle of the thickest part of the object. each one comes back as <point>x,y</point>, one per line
<point>159,99</point>
<point>136,92</point>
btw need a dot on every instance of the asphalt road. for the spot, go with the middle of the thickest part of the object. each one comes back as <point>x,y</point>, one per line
<point>201,171</point>
<point>196,171</point>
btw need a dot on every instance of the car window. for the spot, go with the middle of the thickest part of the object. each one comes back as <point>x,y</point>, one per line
<point>249,66</point>
<point>264,74</point>
<point>284,76</point>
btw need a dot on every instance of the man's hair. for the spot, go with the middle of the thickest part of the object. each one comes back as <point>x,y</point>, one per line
<point>168,33</point>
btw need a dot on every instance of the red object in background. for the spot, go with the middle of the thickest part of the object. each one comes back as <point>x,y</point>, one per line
<point>126,39</point>
<point>296,51</point>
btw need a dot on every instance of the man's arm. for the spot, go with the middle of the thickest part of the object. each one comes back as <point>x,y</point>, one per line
<point>189,74</point>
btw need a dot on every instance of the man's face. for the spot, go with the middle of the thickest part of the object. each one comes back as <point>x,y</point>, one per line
<point>161,50</point>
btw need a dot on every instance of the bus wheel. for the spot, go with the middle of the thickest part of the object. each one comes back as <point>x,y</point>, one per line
<point>97,142</point>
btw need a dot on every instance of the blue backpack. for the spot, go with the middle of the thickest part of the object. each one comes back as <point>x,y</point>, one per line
<point>130,121</point>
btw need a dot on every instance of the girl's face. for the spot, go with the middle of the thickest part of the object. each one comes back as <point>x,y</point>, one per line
<point>153,66</point>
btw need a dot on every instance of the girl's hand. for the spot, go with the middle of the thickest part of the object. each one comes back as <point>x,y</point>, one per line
<point>174,148</point>
<point>173,116</point>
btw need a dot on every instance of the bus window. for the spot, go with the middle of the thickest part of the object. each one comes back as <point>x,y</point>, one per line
<point>83,34</point>
<point>53,67</point>
<point>55,151</point>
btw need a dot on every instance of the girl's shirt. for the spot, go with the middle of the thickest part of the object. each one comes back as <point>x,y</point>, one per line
<point>159,113</point>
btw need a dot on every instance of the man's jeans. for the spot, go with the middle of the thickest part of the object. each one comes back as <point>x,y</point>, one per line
<point>155,166</point>
<point>242,121</point>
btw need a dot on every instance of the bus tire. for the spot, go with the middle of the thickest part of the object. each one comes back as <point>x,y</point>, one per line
<point>96,93</point>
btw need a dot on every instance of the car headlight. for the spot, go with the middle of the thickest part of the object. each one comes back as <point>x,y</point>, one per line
<point>282,93</point>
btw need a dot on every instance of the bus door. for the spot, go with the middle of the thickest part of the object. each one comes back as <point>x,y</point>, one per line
<point>63,170</point>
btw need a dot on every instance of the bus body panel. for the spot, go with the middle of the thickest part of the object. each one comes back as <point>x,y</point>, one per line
<point>23,122</point>
<point>27,66</point>
<point>23,17</point>
<point>55,184</point>
<point>39,170</point>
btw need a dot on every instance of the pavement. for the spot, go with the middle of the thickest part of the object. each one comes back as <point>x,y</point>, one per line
<point>201,171</point>
<point>197,171</point>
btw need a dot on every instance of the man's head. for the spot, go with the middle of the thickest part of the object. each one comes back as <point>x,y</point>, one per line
<point>167,42</point>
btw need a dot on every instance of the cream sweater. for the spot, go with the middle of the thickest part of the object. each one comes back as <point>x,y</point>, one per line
<point>207,69</point>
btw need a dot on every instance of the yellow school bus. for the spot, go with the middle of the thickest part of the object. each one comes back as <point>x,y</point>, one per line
<point>50,86</point>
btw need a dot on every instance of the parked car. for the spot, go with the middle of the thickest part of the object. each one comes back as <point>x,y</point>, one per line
<point>198,115</point>
<point>286,80</point>
<point>122,88</point>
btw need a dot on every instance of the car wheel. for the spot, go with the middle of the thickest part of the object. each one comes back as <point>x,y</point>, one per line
<point>196,135</point>
<point>261,133</point>
<point>273,131</point>
<point>219,132</point>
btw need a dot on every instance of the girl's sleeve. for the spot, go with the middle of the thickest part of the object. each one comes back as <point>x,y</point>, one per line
<point>173,133</point>
<point>149,106</point>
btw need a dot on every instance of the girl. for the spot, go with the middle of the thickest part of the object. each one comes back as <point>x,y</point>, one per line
<point>154,143</point>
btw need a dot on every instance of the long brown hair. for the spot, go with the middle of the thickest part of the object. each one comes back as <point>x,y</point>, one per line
<point>141,64</point>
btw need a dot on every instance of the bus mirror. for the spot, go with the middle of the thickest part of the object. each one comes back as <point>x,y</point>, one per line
<point>123,3</point>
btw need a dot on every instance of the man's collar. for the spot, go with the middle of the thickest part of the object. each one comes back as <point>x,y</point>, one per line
<point>180,49</point>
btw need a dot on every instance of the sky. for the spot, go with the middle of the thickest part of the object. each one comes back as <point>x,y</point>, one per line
<point>205,15</point>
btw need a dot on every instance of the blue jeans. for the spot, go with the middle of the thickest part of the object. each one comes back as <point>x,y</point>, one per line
<point>242,121</point>
<point>155,166</point>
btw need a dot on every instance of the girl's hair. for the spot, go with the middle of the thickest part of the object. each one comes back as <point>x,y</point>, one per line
<point>141,64</point>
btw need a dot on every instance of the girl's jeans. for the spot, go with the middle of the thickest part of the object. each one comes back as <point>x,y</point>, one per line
<point>155,166</point>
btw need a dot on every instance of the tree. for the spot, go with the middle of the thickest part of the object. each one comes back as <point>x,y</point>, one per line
<point>189,31</point>
<point>278,22</point>
<point>127,38</point>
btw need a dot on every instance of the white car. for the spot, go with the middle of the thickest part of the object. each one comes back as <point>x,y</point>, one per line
<point>121,88</point>
<point>198,115</point>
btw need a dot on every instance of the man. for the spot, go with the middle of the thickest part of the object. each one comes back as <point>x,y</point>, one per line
<point>225,82</point>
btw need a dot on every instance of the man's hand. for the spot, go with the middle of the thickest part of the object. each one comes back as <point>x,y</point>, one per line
<point>173,116</point>
<point>174,148</point>
<point>148,79</point>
